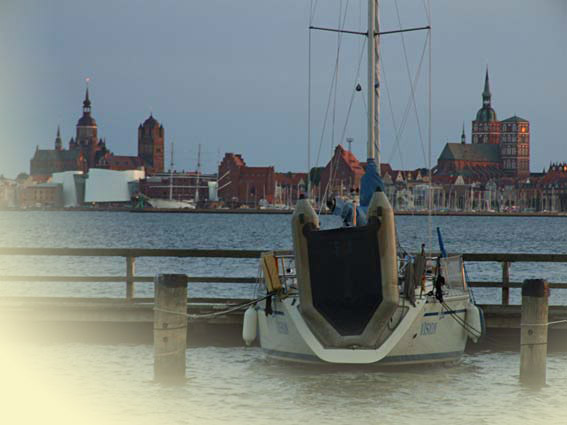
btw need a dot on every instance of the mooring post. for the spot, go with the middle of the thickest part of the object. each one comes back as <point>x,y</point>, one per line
<point>170,327</point>
<point>130,272</point>
<point>505,283</point>
<point>533,339</point>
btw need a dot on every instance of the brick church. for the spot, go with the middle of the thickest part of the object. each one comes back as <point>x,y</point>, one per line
<point>498,149</point>
<point>86,150</point>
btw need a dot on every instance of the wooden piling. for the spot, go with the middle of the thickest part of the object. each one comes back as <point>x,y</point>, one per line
<point>170,327</point>
<point>130,273</point>
<point>505,283</point>
<point>533,341</point>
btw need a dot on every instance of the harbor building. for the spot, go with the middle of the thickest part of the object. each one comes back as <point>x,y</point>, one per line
<point>241,184</point>
<point>86,150</point>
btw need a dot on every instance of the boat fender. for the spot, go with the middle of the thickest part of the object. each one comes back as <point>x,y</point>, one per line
<point>250,325</point>
<point>474,319</point>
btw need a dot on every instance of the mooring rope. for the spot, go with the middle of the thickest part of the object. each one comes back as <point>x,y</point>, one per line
<point>543,324</point>
<point>215,314</point>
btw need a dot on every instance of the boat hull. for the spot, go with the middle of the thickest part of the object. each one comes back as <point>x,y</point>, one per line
<point>435,335</point>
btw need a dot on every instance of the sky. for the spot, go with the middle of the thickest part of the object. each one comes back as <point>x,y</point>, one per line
<point>233,76</point>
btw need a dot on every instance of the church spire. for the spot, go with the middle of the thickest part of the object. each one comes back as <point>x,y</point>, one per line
<point>486,95</point>
<point>87,101</point>
<point>58,142</point>
<point>463,136</point>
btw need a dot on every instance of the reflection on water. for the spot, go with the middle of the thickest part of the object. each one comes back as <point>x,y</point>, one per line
<point>128,230</point>
<point>239,385</point>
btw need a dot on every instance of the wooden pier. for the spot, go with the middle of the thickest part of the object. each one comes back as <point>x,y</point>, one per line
<point>130,319</point>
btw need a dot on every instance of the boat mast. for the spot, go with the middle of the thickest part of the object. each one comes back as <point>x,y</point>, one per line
<point>373,147</point>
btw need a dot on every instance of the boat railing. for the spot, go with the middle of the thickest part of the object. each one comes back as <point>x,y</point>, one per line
<point>506,260</point>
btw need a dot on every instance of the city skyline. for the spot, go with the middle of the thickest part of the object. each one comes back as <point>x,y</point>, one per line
<point>246,93</point>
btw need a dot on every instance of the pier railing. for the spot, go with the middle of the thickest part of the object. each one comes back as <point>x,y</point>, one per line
<point>130,255</point>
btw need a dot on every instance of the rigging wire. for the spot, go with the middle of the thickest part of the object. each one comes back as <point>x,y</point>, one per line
<point>337,62</point>
<point>430,110</point>
<point>405,115</point>
<point>353,91</point>
<point>309,103</point>
<point>333,89</point>
<point>396,130</point>
<point>412,91</point>
<point>334,166</point>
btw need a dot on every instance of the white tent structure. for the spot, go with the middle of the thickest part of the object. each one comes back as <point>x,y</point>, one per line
<point>67,179</point>
<point>109,185</point>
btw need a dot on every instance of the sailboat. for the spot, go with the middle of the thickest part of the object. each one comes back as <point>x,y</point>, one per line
<point>170,203</point>
<point>345,296</point>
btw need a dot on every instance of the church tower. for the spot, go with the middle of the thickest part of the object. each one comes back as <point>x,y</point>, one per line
<point>486,128</point>
<point>515,146</point>
<point>86,139</point>
<point>151,145</point>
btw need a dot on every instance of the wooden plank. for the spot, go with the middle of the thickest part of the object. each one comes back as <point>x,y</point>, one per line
<point>505,283</point>
<point>122,279</point>
<point>238,253</point>
<point>130,272</point>
<point>492,284</point>
<point>135,252</point>
<point>501,257</point>
<point>107,300</point>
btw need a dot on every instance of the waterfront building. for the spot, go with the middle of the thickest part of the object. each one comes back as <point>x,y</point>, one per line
<point>8,190</point>
<point>241,184</point>
<point>289,187</point>
<point>342,173</point>
<point>499,149</point>
<point>86,150</point>
<point>42,195</point>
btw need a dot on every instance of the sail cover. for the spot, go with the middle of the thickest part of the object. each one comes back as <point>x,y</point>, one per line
<point>369,182</point>
<point>345,276</point>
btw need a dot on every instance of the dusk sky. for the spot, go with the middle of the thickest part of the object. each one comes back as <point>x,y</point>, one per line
<point>233,75</point>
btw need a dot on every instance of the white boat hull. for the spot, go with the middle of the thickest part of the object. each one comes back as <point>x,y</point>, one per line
<point>171,204</point>
<point>432,336</point>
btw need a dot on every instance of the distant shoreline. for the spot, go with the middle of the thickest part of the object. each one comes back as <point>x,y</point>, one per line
<point>284,212</point>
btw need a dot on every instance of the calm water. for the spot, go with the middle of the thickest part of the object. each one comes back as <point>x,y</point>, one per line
<point>239,385</point>
<point>101,229</point>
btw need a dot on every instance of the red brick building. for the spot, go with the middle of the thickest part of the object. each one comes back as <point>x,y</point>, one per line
<point>87,151</point>
<point>499,148</point>
<point>342,173</point>
<point>239,183</point>
<point>151,145</point>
